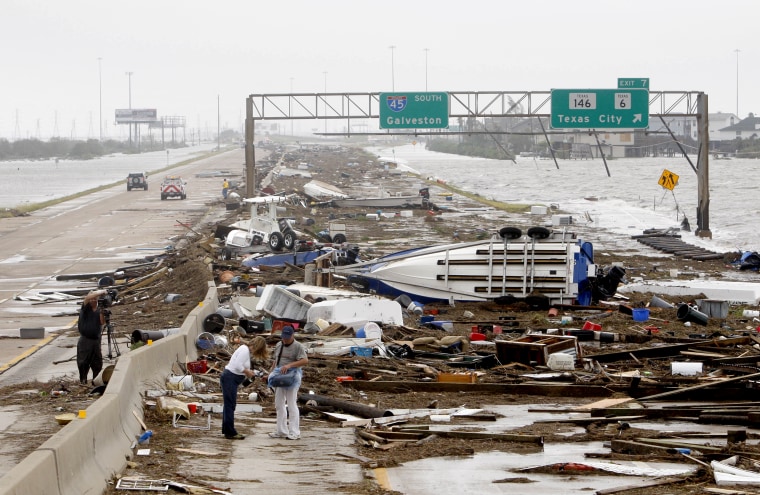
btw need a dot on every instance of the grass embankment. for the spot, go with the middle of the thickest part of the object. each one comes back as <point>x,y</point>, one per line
<point>28,208</point>
<point>510,208</point>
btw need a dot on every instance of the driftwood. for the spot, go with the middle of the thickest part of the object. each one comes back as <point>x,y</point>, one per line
<point>347,406</point>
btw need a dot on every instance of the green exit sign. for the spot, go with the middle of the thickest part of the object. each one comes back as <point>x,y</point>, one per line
<point>633,82</point>
<point>600,108</point>
<point>429,110</point>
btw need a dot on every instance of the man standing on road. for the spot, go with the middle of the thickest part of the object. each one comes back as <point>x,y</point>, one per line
<point>225,188</point>
<point>90,324</point>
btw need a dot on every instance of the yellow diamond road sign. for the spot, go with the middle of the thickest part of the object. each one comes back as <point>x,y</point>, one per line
<point>668,179</point>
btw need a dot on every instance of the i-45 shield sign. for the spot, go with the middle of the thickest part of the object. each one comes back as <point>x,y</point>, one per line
<point>429,110</point>
<point>396,103</point>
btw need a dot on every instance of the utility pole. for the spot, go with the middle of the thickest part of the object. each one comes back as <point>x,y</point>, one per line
<point>129,75</point>
<point>393,69</point>
<point>100,101</point>
<point>426,68</point>
<point>325,115</point>
<point>737,82</point>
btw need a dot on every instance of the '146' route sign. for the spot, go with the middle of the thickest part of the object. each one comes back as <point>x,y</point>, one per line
<point>600,108</point>
<point>414,110</point>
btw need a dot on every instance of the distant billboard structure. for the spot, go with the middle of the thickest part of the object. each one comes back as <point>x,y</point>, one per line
<point>171,122</point>
<point>136,115</point>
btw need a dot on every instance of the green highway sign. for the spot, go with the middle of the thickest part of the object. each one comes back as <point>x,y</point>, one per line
<point>414,110</point>
<point>600,108</point>
<point>633,82</point>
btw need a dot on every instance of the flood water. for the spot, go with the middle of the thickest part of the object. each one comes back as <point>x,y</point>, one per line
<point>627,201</point>
<point>500,472</point>
<point>25,181</point>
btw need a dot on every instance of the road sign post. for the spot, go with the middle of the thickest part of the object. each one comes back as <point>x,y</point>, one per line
<point>600,108</point>
<point>414,110</point>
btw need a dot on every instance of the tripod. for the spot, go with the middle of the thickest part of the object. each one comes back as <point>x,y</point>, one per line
<point>113,346</point>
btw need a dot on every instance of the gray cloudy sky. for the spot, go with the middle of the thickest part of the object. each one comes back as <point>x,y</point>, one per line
<point>183,54</point>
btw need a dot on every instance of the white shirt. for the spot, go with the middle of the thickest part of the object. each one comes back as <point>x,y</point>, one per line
<point>240,360</point>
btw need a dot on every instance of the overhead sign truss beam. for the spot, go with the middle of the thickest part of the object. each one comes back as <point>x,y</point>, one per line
<point>463,104</point>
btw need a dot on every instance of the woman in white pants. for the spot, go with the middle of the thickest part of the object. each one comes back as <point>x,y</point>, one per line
<point>288,355</point>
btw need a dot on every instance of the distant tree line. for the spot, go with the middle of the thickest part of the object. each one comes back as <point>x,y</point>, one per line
<point>35,149</point>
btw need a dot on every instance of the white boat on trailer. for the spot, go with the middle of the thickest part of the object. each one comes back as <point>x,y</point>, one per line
<point>508,265</point>
<point>384,202</point>
<point>322,191</point>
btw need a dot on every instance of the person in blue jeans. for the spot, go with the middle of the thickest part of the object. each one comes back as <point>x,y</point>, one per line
<point>236,371</point>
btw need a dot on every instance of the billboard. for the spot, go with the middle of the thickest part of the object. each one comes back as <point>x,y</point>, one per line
<point>136,115</point>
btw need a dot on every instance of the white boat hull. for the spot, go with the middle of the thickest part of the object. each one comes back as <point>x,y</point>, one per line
<point>388,202</point>
<point>479,271</point>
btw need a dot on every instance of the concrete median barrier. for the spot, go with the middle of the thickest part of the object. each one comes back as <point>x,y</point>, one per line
<point>88,452</point>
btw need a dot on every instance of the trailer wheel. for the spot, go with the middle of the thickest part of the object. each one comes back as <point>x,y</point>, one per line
<point>275,241</point>
<point>289,240</point>
<point>339,239</point>
<point>510,233</point>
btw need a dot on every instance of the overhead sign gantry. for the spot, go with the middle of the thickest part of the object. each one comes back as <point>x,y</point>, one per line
<point>617,107</point>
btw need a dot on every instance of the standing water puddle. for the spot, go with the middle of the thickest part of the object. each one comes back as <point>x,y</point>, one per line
<point>498,471</point>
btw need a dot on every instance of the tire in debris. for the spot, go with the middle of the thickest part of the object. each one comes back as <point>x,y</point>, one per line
<point>510,233</point>
<point>213,323</point>
<point>539,232</point>
<point>276,241</point>
<point>289,240</point>
<point>339,239</point>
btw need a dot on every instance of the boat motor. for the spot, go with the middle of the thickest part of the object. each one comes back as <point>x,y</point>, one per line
<point>607,283</point>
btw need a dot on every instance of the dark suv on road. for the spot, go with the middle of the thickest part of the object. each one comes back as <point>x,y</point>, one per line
<point>137,181</point>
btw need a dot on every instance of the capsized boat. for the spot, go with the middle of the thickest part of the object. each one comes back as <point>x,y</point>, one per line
<point>322,191</point>
<point>382,202</point>
<point>554,264</point>
<point>385,200</point>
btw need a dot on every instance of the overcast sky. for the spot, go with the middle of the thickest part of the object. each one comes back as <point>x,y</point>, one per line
<point>186,54</point>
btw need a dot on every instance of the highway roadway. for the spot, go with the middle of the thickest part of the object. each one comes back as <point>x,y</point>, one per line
<point>95,233</point>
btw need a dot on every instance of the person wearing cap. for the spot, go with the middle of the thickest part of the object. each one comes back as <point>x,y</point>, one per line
<point>288,354</point>
<point>90,325</point>
<point>236,371</point>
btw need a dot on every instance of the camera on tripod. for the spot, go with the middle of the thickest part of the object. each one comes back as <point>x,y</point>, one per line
<point>106,300</point>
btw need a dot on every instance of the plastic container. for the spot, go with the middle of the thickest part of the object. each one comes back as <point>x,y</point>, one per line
<point>199,367</point>
<point>688,314</point>
<point>640,314</point>
<point>475,336</point>
<point>145,437</point>
<point>361,351</point>
<point>657,302</point>
<point>415,308</point>
<point>373,331</point>
<point>404,300</point>
<point>594,327</point>
<point>180,382</point>
<point>559,361</point>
